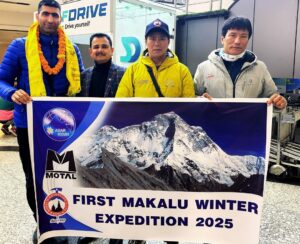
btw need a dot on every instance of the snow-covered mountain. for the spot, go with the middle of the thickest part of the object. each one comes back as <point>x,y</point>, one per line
<point>166,153</point>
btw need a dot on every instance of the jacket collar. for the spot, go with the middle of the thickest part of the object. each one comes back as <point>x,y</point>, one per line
<point>48,39</point>
<point>171,59</point>
<point>214,57</point>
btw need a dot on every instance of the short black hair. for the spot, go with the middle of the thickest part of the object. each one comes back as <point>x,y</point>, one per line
<point>100,35</point>
<point>239,23</point>
<point>49,3</point>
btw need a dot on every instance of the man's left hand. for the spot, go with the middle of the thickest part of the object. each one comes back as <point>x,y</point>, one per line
<point>278,101</point>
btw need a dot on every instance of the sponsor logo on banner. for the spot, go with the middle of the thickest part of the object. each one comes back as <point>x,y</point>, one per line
<point>56,205</point>
<point>59,124</point>
<point>60,166</point>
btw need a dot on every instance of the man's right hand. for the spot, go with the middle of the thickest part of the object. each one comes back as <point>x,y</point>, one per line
<point>20,97</point>
<point>206,95</point>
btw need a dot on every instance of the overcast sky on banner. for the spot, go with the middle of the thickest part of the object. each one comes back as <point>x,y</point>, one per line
<point>238,128</point>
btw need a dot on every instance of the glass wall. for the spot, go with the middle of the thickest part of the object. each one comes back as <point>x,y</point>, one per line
<point>131,19</point>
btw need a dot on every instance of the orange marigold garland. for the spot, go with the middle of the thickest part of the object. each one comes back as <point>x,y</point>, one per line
<point>61,53</point>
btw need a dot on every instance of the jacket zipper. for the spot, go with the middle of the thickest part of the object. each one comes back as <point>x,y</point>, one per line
<point>242,70</point>
<point>51,48</point>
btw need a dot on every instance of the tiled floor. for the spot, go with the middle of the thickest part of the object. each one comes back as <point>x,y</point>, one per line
<point>16,222</point>
<point>280,220</point>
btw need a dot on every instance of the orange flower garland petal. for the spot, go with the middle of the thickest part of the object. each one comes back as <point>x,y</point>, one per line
<point>61,53</point>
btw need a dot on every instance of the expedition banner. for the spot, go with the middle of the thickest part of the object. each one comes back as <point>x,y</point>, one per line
<point>188,170</point>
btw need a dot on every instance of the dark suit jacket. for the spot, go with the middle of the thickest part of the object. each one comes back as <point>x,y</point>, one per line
<point>115,74</point>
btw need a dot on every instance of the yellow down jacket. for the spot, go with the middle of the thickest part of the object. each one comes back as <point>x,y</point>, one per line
<point>173,78</point>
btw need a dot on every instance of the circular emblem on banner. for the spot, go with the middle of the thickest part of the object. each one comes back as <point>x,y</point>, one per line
<point>59,124</point>
<point>56,204</point>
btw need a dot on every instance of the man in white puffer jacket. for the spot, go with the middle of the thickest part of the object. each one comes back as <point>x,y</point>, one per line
<point>233,71</point>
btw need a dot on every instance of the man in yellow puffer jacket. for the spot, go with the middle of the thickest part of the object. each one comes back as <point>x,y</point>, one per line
<point>172,78</point>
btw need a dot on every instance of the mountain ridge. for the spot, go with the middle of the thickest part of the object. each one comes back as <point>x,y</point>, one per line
<point>168,151</point>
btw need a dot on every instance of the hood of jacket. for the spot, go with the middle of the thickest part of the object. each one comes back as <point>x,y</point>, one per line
<point>171,59</point>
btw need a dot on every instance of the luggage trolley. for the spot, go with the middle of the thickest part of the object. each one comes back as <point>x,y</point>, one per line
<point>285,144</point>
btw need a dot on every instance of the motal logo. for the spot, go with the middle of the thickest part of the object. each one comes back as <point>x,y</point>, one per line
<point>60,165</point>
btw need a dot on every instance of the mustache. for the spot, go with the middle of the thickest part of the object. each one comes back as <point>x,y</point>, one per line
<point>100,54</point>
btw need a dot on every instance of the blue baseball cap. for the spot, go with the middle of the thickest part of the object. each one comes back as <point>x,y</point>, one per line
<point>157,25</point>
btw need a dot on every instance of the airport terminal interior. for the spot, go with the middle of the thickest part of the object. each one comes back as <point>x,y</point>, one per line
<point>195,26</point>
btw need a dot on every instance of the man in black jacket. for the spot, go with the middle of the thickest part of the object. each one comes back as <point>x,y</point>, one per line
<point>102,79</point>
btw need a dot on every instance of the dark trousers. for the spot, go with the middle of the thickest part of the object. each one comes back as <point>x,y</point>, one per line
<point>22,136</point>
